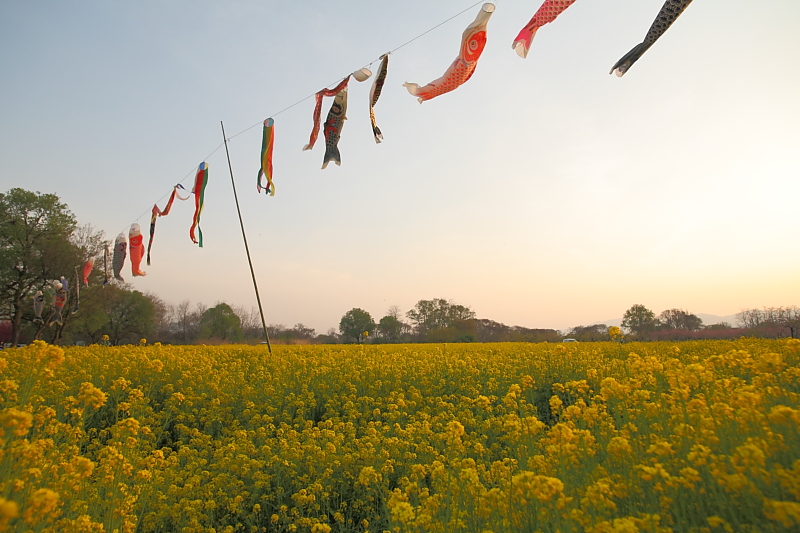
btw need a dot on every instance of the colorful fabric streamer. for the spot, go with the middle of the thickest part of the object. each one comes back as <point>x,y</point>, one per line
<point>547,13</point>
<point>267,142</point>
<point>137,249</point>
<point>473,41</point>
<point>156,212</point>
<point>333,128</point>
<point>318,110</point>
<point>59,301</point>
<point>38,307</point>
<point>670,11</point>
<point>87,269</point>
<point>375,93</point>
<point>120,253</point>
<point>199,191</point>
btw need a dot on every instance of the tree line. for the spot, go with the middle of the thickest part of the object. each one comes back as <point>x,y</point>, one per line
<point>41,242</point>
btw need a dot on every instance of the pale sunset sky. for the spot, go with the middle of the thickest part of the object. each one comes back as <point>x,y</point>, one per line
<point>542,193</point>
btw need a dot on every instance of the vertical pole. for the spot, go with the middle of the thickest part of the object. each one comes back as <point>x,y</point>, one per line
<point>246,248</point>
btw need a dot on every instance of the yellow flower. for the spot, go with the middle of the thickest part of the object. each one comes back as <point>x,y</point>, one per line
<point>40,504</point>
<point>19,422</point>
<point>787,513</point>
<point>91,395</point>
<point>402,512</point>
<point>619,446</point>
<point>368,475</point>
<point>8,510</point>
<point>543,488</point>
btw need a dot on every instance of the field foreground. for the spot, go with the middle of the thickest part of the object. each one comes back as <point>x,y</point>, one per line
<point>696,436</point>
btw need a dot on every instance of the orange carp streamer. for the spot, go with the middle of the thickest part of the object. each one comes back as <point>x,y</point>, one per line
<point>87,269</point>
<point>136,245</point>
<point>473,41</point>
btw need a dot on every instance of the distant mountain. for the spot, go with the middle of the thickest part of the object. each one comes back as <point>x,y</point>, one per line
<point>705,317</point>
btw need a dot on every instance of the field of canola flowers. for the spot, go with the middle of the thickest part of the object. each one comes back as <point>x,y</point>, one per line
<point>599,437</point>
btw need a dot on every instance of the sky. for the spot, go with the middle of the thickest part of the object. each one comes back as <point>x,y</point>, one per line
<point>542,193</point>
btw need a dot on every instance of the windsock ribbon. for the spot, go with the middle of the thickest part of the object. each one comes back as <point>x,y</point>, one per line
<point>199,191</point>
<point>267,142</point>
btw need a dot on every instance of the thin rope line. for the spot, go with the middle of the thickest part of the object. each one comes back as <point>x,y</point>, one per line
<point>367,64</point>
<point>314,94</point>
<point>440,24</point>
<point>136,221</point>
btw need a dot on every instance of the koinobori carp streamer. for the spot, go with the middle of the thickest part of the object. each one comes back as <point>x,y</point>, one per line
<point>547,13</point>
<point>473,41</point>
<point>670,11</point>
<point>136,245</point>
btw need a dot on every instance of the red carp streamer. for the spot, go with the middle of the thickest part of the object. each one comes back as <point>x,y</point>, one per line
<point>547,13</point>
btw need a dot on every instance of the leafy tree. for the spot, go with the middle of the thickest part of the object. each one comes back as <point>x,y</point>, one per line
<point>91,322</point>
<point>354,323</point>
<point>390,328</point>
<point>438,313</point>
<point>299,334</point>
<point>680,319</point>
<point>130,315</point>
<point>593,333</point>
<point>639,320</point>
<point>221,322</point>
<point>35,248</point>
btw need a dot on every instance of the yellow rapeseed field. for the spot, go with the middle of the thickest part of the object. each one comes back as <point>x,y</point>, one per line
<point>597,437</point>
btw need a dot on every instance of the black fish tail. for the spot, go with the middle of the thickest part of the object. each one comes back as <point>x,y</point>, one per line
<point>331,154</point>
<point>623,65</point>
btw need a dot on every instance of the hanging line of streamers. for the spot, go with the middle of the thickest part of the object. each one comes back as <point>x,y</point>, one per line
<point>670,11</point>
<point>199,191</point>
<point>267,143</point>
<point>459,72</point>
<point>156,212</point>
<point>547,13</point>
<point>473,41</point>
<point>375,93</point>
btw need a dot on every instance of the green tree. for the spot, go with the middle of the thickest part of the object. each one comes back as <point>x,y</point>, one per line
<point>680,319</point>
<point>220,322</point>
<point>438,313</point>
<point>639,320</point>
<point>390,328</point>
<point>354,323</point>
<point>130,315</point>
<point>35,247</point>
<point>593,333</point>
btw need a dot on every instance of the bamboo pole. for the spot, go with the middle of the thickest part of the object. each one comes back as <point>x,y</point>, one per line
<point>244,237</point>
